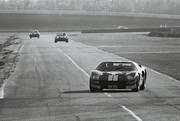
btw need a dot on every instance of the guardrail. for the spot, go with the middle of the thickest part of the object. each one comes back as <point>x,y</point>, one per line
<point>125,30</point>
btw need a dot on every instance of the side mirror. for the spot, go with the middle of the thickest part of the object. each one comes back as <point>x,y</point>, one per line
<point>140,66</point>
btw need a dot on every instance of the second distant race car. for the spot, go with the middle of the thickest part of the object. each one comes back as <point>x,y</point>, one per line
<point>61,37</point>
<point>34,33</point>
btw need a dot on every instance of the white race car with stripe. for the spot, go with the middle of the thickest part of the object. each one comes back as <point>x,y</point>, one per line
<point>118,75</point>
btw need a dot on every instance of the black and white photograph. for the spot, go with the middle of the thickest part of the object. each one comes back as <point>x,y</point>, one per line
<point>89,60</point>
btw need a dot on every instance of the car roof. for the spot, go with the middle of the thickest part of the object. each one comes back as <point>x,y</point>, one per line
<point>120,61</point>
<point>117,61</point>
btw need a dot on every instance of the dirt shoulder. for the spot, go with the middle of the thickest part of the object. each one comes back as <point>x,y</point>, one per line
<point>9,54</point>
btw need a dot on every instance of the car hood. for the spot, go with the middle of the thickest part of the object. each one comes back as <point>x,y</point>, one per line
<point>118,72</point>
<point>114,72</point>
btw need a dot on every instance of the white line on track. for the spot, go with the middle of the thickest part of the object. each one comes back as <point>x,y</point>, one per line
<point>2,88</point>
<point>164,75</point>
<point>126,109</point>
<point>132,113</point>
<point>108,95</point>
<point>21,49</point>
<point>74,63</point>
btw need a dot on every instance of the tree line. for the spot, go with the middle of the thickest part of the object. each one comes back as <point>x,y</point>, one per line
<point>133,6</point>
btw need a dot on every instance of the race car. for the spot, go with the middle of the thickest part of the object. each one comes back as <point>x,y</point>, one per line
<point>118,75</point>
<point>34,33</point>
<point>61,37</point>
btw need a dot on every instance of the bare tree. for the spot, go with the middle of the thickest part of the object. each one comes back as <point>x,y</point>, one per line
<point>139,6</point>
<point>26,4</point>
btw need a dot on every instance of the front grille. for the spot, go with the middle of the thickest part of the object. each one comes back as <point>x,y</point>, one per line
<point>117,80</point>
<point>119,84</point>
<point>122,78</point>
<point>104,77</point>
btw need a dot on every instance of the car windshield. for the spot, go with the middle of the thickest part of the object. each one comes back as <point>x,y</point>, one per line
<point>61,36</point>
<point>116,66</point>
<point>34,32</point>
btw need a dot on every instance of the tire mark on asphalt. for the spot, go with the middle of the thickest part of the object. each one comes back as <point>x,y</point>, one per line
<point>48,108</point>
<point>77,118</point>
<point>59,95</point>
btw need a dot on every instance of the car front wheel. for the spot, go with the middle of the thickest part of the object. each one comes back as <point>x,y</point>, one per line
<point>142,87</point>
<point>92,89</point>
<point>136,89</point>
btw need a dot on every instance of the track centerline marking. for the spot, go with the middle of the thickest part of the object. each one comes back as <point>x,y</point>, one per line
<point>132,113</point>
<point>74,63</point>
<point>108,94</point>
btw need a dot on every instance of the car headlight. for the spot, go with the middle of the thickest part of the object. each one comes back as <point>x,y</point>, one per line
<point>131,76</point>
<point>95,77</point>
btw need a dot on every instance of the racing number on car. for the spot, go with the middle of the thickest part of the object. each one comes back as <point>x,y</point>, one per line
<point>110,77</point>
<point>113,78</point>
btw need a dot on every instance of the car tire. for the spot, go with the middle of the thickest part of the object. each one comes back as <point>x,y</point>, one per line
<point>55,41</point>
<point>142,87</point>
<point>136,89</point>
<point>92,89</point>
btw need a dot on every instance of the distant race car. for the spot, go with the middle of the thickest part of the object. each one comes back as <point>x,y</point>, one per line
<point>61,37</point>
<point>34,33</point>
<point>118,75</point>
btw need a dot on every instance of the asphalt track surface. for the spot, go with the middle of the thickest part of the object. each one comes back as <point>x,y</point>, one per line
<point>51,82</point>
